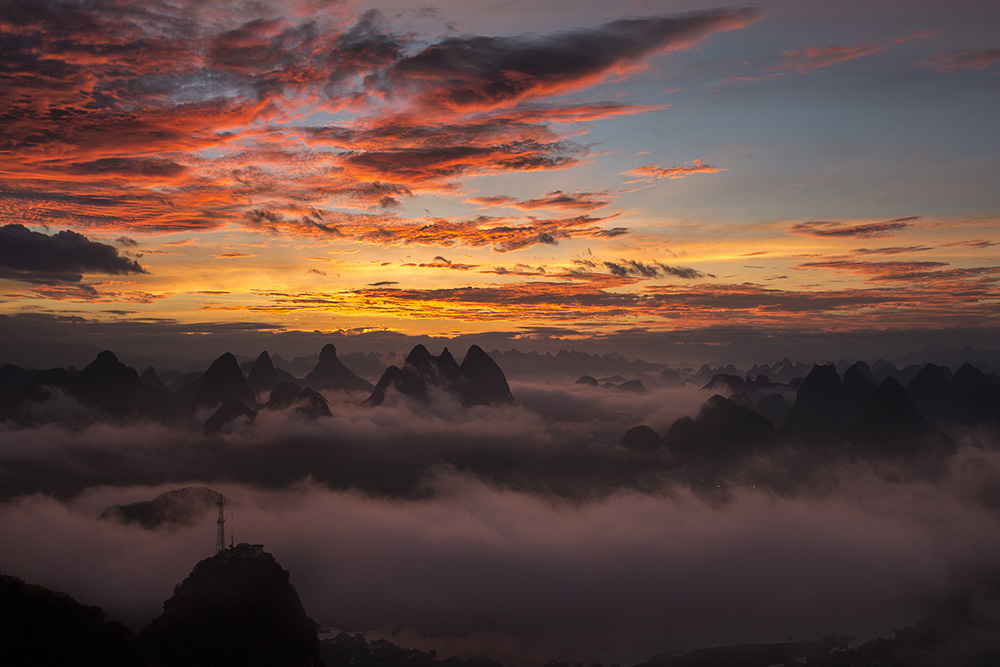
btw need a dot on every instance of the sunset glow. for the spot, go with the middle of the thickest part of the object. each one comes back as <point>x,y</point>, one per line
<point>450,169</point>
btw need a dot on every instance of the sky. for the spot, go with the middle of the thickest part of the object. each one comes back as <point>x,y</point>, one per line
<point>576,170</point>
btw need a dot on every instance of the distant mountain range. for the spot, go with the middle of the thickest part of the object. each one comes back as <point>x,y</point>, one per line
<point>114,390</point>
<point>857,413</point>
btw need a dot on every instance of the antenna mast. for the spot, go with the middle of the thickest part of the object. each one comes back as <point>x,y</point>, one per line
<point>220,540</point>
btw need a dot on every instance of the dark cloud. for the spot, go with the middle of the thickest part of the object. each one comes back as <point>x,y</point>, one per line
<point>487,72</point>
<point>555,200</point>
<point>977,243</point>
<point>869,230</point>
<point>503,235</point>
<point>129,166</point>
<point>894,250</point>
<point>63,257</point>
<point>635,269</point>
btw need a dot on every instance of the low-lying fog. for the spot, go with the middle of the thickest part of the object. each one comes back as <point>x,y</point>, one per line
<point>452,540</point>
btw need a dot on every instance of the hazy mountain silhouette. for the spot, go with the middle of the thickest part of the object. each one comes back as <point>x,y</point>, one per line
<point>641,438</point>
<point>891,424</point>
<point>181,507</point>
<point>229,415</point>
<point>774,408</point>
<point>308,402</point>
<point>263,375</point>
<point>723,428</point>
<point>330,373</point>
<point>235,609</point>
<point>151,379</point>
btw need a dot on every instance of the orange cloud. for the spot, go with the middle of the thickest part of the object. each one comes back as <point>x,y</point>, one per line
<point>655,171</point>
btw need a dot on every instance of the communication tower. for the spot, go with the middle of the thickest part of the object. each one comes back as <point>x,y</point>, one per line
<point>220,539</point>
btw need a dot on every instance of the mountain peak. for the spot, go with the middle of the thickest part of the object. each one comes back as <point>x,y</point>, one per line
<point>223,381</point>
<point>331,373</point>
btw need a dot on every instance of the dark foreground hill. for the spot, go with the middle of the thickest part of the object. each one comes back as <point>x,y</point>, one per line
<point>236,609</point>
<point>43,627</point>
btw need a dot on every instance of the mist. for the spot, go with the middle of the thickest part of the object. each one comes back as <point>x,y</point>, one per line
<point>473,567</point>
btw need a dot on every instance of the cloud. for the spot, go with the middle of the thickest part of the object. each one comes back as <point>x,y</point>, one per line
<point>472,566</point>
<point>233,255</point>
<point>964,60</point>
<point>501,234</point>
<point>656,172</point>
<point>62,257</point>
<point>124,117</point>
<point>977,243</point>
<point>929,272</point>
<point>636,269</point>
<point>894,250</point>
<point>557,200</point>
<point>812,58</point>
<point>869,230</point>
<point>483,73</point>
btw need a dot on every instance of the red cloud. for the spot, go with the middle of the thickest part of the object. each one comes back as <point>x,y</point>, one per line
<point>964,59</point>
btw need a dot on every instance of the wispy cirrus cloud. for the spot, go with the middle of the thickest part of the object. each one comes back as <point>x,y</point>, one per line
<point>869,230</point>
<point>500,234</point>
<point>963,60</point>
<point>655,171</point>
<point>812,58</point>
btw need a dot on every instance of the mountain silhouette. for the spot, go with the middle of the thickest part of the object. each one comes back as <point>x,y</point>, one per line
<point>228,416</point>
<point>478,381</point>
<point>857,387</point>
<point>236,609</point>
<point>722,428</point>
<point>820,408</point>
<point>481,382</point>
<point>223,381</point>
<point>331,373</point>
<point>891,424</point>
<point>931,392</point>
<point>151,379</point>
<point>180,507</point>
<point>641,438</point>
<point>263,375</point>
<point>308,402</point>
<point>774,408</point>
<point>109,384</point>
<point>39,626</point>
